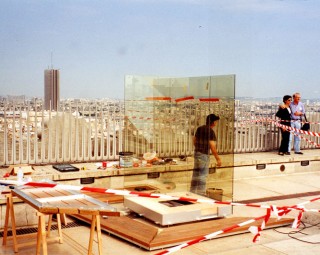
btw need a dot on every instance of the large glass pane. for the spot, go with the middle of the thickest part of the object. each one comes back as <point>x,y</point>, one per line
<point>162,119</point>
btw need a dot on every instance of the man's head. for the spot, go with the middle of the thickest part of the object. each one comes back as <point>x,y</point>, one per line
<point>211,119</point>
<point>296,97</point>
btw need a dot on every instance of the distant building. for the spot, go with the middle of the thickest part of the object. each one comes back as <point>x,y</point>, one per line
<point>16,99</point>
<point>51,89</point>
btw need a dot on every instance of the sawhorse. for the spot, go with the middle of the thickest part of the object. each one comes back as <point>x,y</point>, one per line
<point>42,234</point>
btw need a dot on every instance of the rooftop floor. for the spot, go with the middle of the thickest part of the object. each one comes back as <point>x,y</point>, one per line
<point>277,188</point>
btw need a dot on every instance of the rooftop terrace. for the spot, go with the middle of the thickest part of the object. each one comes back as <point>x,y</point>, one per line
<point>285,180</point>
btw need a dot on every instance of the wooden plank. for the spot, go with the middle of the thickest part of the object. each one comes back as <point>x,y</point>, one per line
<point>6,221</point>
<point>48,209</point>
<point>126,228</point>
<point>68,210</point>
<point>107,198</point>
<point>151,237</point>
<point>190,231</point>
<point>109,213</point>
<point>75,203</point>
<point>44,192</point>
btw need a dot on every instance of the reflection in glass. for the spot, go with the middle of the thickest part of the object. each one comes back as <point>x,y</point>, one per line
<point>162,116</point>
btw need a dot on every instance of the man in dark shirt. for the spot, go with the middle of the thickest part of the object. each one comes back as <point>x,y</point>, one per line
<point>204,142</point>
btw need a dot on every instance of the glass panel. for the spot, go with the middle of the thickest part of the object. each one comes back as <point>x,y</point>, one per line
<point>162,119</point>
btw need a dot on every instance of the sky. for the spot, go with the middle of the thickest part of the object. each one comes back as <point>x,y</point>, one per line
<point>272,46</point>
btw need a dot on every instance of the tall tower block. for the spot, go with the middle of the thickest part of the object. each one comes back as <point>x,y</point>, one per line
<point>51,89</point>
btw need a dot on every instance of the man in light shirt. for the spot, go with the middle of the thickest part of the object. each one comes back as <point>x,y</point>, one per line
<point>297,112</point>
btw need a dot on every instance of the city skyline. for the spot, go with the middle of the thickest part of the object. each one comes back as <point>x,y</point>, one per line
<point>271,46</point>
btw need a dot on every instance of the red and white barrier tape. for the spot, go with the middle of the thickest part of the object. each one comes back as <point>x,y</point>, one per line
<point>121,192</point>
<point>284,126</point>
<point>306,139</point>
<point>289,128</point>
<point>127,193</point>
<point>183,99</point>
<point>297,130</point>
<point>142,194</point>
<point>254,119</point>
<point>256,230</point>
<point>278,211</point>
<point>292,130</point>
<point>187,98</point>
<point>212,235</point>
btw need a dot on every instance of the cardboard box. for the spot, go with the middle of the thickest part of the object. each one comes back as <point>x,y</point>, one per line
<point>215,194</point>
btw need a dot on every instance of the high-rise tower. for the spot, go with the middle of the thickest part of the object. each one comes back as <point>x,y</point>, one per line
<point>51,89</point>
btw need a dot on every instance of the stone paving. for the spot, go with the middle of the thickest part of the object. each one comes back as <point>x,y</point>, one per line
<point>249,183</point>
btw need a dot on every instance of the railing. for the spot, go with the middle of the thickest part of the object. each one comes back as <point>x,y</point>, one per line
<point>96,131</point>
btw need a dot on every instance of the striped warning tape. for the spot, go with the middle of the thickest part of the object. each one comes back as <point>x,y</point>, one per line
<point>254,119</point>
<point>278,211</point>
<point>256,230</point>
<point>126,193</point>
<point>292,130</point>
<point>142,194</point>
<point>253,229</point>
<point>210,236</point>
<point>274,209</point>
<point>183,99</point>
<point>297,130</point>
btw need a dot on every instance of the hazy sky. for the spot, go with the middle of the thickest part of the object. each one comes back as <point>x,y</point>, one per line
<point>272,46</point>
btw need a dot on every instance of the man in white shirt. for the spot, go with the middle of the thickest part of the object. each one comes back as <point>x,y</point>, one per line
<point>297,112</point>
